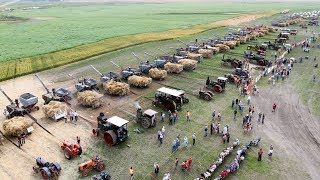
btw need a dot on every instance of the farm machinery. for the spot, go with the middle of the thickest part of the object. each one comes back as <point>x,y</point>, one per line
<point>206,95</point>
<point>59,94</point>
<point>232,78</point>
<point>95,163</point>
<point>104,175</point>
<point>274,46</point>
<point>169,58</point>
<point>147,118</point>
<point>284,35</point>
<point>293,32</point>
<point>47,170</point>
<point>144,66</point>
<point>216,86</point>
<point>190,48</point>
<point>170,99</point>
<point>127,72</point>
<point>114,129</point>
<point>107,76</point>
<point>236,63</point>
<point>261,49</point>
<point>259,59</point>
<point>71,150</point>
<point>159,63</point>
<point>86,84</point>
<point>240,72</point>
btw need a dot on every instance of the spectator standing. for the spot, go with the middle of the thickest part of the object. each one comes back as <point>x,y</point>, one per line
<point>194,139</point>
<point>131,172</point>
<point>176,163</point>
<point>232,103</point>
<point>262,119</point>
<point>213,114</point>
<point>235,114</point>
<point>188,116</point>
<point>160,138</point>
<point>206,131</point>
<point>156,168</point>
<point>249,99</point>
<point>78,140</point>
<point>274,106</point>
<point>185,141</point>
<point>260,154</point>
<point>163,116</point>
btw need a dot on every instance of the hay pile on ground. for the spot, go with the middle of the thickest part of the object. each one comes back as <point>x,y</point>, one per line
<point>156,73</point>
<point>53,107</point>
<point>206,53</point>
<point>139,81</point>
<point>222,47</point>
<point>116,88</point>
<point>16,125</point>
<point>89,99</point>
<point>173,68</point>
<point>188,64</point>
<point>194,56</point>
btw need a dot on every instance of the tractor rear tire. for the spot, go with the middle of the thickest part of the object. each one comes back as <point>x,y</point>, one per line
<point>211,93</point>
<point>100,166</point>
<point>45,173</point>
<point>261,63</point>
<point>145,122</point>
<point>207,97</point>
<point>244,74</point>
<point>217,88</point>
<point>85,173</point>
<point>67,154</point>
<point>110,138</point>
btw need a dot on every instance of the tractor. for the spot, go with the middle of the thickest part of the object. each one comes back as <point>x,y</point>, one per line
<point>59,94</point>
<point>114,129</point>
<point>47,170</point>
<point>14,108</point>
<point>232,78</point>
<point>280,40</point>
<point>251,56</point>
<point>159,62</point>
<point>275,46</point>
<point>144,66</point>
<point>147,118</point>
<point>107,76</point>
<point>293,32</point>
<point>104,175</point>
<point>71,150</point>
<point>216,86</point>
<point>242,73</point>
<point>234,62</point>
<point>127,72</point>
<point>96,163</point>
<point>206,95</point>
<point>170,99</point>
<point>284,35</point>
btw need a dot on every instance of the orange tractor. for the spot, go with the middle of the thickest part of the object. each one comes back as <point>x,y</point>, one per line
<point>71,150</point>
<point>96,163</point>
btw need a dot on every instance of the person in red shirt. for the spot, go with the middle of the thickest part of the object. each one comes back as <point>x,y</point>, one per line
<point>274,107</point>
<point>189,162</point>
<point>260,154</point>
<point>185,165</point>
<point>224,174</point>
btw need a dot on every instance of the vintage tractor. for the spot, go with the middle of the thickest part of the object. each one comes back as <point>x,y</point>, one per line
<point>273,46</point>
<point>236,63</point>
<point>47,170</point>
<point>170,99</point>
<point>71,150</point>
<point>107,76</point>
<point>284,35</point>
<point>127,72</point>
<point>96,163</point>
<point>280,41</point>
<point>216,86</point>
<point>147,118</point>
<point>59,94</point>
<point>158,61</point>
<point>144,66</point>
<point>104,175</point>
<point>242,73</point>
<point>252,56</point>
<point>114,129</point>
<point>232,78</point>
<point>293,32</point>
<point>206,95</point>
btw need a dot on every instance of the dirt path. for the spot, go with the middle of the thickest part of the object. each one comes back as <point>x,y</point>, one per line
<point>292,127</point>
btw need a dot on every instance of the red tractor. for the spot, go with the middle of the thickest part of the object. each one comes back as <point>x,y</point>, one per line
<point>96,163</point>
<point>71,150</point>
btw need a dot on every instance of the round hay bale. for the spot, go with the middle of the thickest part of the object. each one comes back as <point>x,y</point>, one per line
<point>89,99</point>
<point>116,88</point>
<point>139,81</point>
<point>16,125</point>
<point>156,73</point>
<point>188,64</point>
<point>222,47</point>
<point>173,68</point>
<point>53,107</point>
<point>206,53</point>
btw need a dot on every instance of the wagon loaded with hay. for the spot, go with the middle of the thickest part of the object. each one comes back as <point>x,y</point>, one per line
<point>89,99</point>
<point>173,68</point>
<point>139,81</point>
<point>17,125</point>
<point>188,64</point>
<point>55,110</point>
<point>157,74</point>
<point>116,88</point>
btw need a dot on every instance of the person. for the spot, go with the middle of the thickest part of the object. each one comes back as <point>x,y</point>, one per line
<point>274,106</point>
<point>78,140</point>
<point>314,78</point>
<point>260,154</point>
<point>189,162</point>
<point>176,163</point>
<point>244,120</point>
<point>235,114</point>
<point>213,114</point>
<point>228,137</point>
<point>208,81</point>
<point>194,139</point>
<point>185,165</point>
<point>237,101</point>
<point>232,103</point>
<point>212,128</point>
<point>270,151</point>
<point>185,141</point>
<point>71,117</point>
<point>163,131</point>
<point>75,114</point>
<point>259,117</point>
<point>249,99</point>
<point>205,131</point>
<point>262,119</point>
<point>218,128</point>
<point>156,168</point>
<point>175,117</point>
<point>19,141</point>
<point>97,158</point>
<point>163,115</point>
<point>219,116</point>
<point>159,132</point>
<point>131,172</point>
<point>160,138</point>
<point>188,116</point>
<point>23,138</point>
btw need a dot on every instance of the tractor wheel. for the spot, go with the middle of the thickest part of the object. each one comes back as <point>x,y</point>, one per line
<point>234,64</point>
<point>145,122</point>
<point>217,88</point>
<point>244,74</point>
<point>209,92</point>
<point>100,166</point>
<point>185,101</point>
<point>37,108</point>
<point>110,138</point>
<point>85,173</point>
<point>67,154</point>
<point>178,107</point>
<point>80,151</point>
<point>207,97</point>
<point>261,62</point>
<point>45,173</point>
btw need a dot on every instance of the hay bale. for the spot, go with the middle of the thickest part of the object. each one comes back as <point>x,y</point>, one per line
<point>222,47</point>
<point>194,56</point>
<point>270,29</point>
<point>116,88</point>
<point>247,37</point>
<point>188,64</point>
<point>206,53</point>
<point>16,125</point>
<point>156,73</point>
<point>173,68</point>
<point>139,81</point>
<point>89,99</point>
<point>53,107</point>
